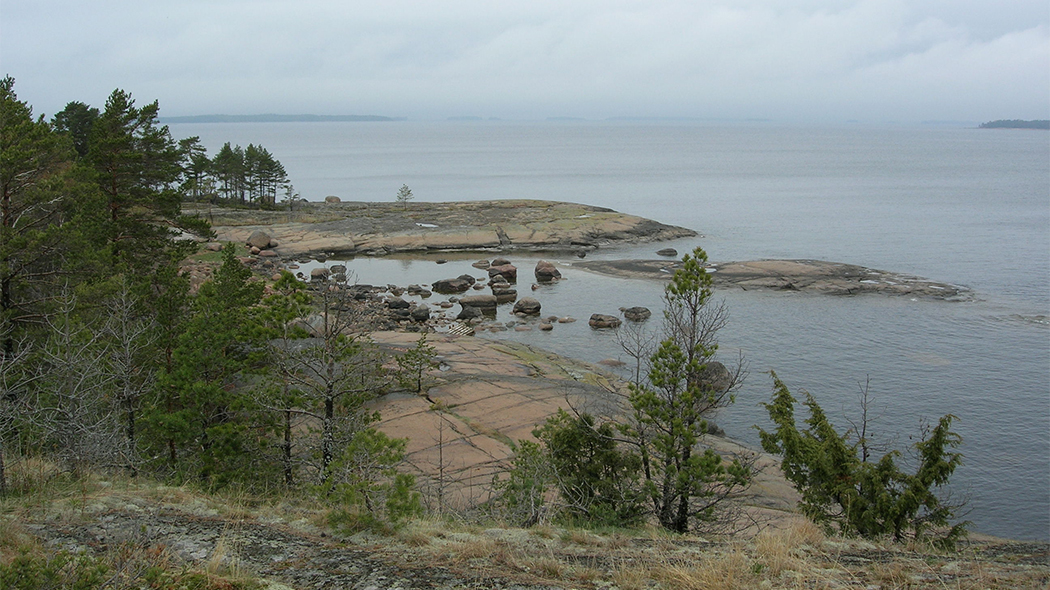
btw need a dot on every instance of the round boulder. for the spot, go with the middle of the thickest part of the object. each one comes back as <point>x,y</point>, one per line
<point>507,271</point>
<point>332,199</point>
<point>469,313</point>
<point>260,239</point>
<point>601,320</point>
<point>421,312</point>
<point>479,301</point>
<point>637,314</point>
<point>456,285</point>
<point>547,272</point>
<point>527,306</point>
<point>397,303</point>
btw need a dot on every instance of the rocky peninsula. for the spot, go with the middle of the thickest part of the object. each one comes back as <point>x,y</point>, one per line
<point>359,228</point>
<point>325,230</point>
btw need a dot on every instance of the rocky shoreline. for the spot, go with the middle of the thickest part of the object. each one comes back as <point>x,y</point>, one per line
<point>376,229</point>
<point>816,276</point>
<point>325,230</point>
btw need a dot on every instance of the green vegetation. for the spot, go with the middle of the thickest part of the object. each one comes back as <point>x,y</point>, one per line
<point>849,494</point>
<point>1016,124</point>
<point>654,462</point>
<point>404,195</point>
<point>111,363</point>
<point>109,359</point>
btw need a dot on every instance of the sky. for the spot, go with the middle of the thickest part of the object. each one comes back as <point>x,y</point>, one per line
<point>781,60</point>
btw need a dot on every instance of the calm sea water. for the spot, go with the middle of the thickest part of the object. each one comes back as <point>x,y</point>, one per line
<point>965,206</point>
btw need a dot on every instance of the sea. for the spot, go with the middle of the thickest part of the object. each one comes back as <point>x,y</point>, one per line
<point>958,205</point>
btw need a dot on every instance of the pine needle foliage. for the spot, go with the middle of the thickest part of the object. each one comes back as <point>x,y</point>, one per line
<point>856,497</point>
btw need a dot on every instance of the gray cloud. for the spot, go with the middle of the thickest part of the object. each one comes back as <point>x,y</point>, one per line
<point>813,60</point>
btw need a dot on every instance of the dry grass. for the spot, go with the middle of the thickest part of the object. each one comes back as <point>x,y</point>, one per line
<point>779,550</point>
<point>728,571</point>
<point>630,576</point>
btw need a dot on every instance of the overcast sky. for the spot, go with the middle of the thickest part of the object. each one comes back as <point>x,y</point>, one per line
<point>785,60</point>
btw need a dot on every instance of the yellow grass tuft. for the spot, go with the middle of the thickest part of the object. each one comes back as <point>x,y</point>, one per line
<point>729,571</point>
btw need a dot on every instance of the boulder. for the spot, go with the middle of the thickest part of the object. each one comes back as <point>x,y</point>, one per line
<point>505,295</point>
<point>600,320</point>
<point>319,274</point>
<point>397,303</point>
<point>254,250</point>
<point>479,301</point>
<point>547,272</point>
<point>421,312</point>
<point>716,377</point>
<point>267,253</point>
<point>507,271</point>
<point>260,239</point>
<point>457,285</point>
<point>546,326</point>
<point>499,262</point>
<point>637,314</point>
<point>527,306</point>
<point>213,247</point>
<point>469,313</point>
<point>332,199</point>
<point>482,264</point>
<point>670,252</point>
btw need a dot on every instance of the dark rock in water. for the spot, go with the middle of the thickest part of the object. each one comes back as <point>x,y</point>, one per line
<point>546,326</point>
<point>600,320</point>
<point>469,313</point>
<point>465,277</point>
<point>499,262</point>
<point>507,271</point>
<point>421,312</point>
<point>457,285</point>
<point>527,306</point>
<point>441,261</point>
<point>397,303</point>
<point>546,271</point>
<point>482,264</point>
<point>479,301</point>
<point>637,314</point>
<point>670,252</point>
<point>319,274</point>
<point>505,295</point>
<point>339,268</point>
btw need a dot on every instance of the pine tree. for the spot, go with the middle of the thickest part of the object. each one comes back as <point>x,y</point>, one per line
<point>671,408</point>
<point>849,494</point>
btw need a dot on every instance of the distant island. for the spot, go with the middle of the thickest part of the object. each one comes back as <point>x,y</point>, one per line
<point>271,118</point>
<point>1016,124</point>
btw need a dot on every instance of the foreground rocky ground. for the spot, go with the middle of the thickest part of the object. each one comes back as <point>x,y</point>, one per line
<point>485,395</point>
<point>238,542</point>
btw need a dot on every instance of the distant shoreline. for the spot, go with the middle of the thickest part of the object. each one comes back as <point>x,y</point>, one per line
<point>272,118</point>
<point>1015,124</point>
